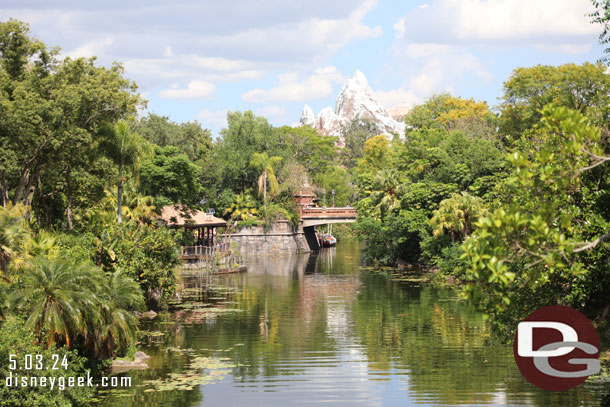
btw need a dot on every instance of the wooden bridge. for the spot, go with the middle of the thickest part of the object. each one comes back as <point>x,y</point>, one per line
<point>311,216</point>
<point>314,216</point>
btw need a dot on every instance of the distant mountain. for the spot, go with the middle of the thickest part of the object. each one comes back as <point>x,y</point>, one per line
<point>399,112</point>
<point>356,101</point>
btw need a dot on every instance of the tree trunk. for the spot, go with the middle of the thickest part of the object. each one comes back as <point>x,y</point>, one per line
<point>30,189</point>
<point>120,194</point>
<point>69,186</point>
<point>21,185</point>
<point>265,191</point>
<point>4,197</point>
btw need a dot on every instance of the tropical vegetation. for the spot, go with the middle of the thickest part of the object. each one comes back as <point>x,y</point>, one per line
<point>512,201</point>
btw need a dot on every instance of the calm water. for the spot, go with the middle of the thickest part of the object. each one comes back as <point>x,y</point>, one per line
<point>317,330</point>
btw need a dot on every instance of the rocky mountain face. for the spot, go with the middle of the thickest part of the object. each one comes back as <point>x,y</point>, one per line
<point>399,112</point>
<point>356,101</point>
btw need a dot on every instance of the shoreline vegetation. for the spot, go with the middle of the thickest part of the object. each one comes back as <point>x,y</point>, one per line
<point>510,203</point>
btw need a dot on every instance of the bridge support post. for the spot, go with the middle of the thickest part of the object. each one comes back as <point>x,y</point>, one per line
<point>312,239</point>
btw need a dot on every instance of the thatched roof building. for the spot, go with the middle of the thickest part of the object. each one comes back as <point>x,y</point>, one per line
<point>179,216</point>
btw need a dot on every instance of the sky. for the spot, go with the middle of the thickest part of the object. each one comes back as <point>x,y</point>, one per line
<point>197,59</point>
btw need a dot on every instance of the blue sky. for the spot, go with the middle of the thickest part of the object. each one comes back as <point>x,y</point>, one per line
<point>194,60</point>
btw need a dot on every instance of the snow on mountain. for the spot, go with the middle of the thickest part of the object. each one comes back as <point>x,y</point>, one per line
<point>355,101</point>
<point>308,117</point>
<point>328,123</point>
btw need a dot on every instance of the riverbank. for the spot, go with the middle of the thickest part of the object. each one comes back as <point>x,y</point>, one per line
<point>278,334</point>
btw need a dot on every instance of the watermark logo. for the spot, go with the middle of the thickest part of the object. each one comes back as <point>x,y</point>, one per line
<point>556,348</point>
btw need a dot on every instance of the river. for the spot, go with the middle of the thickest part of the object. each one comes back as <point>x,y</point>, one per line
<point>318,329</point>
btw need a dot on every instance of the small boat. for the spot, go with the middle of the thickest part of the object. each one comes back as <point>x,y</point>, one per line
<point>327,240</point>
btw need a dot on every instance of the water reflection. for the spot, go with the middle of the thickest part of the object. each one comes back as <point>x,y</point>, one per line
<point>315,328</point>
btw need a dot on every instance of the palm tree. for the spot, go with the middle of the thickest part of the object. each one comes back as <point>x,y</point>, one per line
<point>264,163</point>
<point>122,296</point>
<point>386,184</point>
<point>446,219</point>
<point>242,208</point>
<point>138,207</point>
<point>127,150</point>
<point>42,243</point>
<point>457,214</point>
<point>59,298</point>
<point>14,233</point>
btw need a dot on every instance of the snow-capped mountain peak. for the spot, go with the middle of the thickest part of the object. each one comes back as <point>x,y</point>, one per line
<point>356,101</point>
<point>308,117</point>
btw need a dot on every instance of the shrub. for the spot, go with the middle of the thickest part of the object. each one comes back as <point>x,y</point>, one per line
<point>16,340</point>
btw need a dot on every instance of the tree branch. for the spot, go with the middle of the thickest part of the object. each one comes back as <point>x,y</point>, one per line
<point>592,244</point>
<point>601,160</point>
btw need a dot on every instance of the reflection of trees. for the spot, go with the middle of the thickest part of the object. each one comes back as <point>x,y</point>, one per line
<point>442,343</point>
<point>445,346</point>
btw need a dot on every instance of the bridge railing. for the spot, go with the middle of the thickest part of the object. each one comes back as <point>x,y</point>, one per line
<point>334,212</point>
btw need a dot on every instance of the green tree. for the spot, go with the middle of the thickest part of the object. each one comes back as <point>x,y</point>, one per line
<point>262,162</point>
<point>127,150</point>
<point>243,208</point>
<point>545,243</point>
<point>451,146</point>
<point>339,180</point>
<point>122,296</point>
<point>52,113</point>
<point>170,177</point>
<point>190,137</point>
<point>457,215</point>
<point>585,88</point>
<point>147,254</point>
<point>139,208</point>
<point>246,135</point>
<point>354,136</point>
<point>60,299</point>
<point>305,146</point>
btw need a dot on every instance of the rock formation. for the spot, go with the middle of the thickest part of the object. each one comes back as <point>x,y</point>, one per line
<point>356,101</point>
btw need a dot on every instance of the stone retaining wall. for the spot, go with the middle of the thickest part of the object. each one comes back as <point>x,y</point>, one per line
<point>281,237</point>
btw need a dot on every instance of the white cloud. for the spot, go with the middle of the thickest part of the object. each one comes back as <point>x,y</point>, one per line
<point>219,64</point>
<point>310,39</point>
<point>291,89</point>
<point>429,68</point>
<point>194,90</point>
<point>210,41</point>
<point>192,66</point>
<point>560,23</point>
<point>272,111</point>
<point>399,26</point>
<point>91,48</point>
<point>425,50</point>
<point>578,48</point>
<point>395,97</point>
<point>213,118</point>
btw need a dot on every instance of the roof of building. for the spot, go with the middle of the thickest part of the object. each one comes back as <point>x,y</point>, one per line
<point>181,216</point>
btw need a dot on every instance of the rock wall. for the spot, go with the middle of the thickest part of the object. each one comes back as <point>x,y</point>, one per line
<point>281,237</point>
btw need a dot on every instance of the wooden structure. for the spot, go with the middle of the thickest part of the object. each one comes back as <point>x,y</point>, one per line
<point>311,216</point>
<point>211,235</point>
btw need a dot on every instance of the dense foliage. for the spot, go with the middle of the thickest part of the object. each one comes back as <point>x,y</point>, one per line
<point>450,148</point>
<point>17,340</point>
<point>514,202</point>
